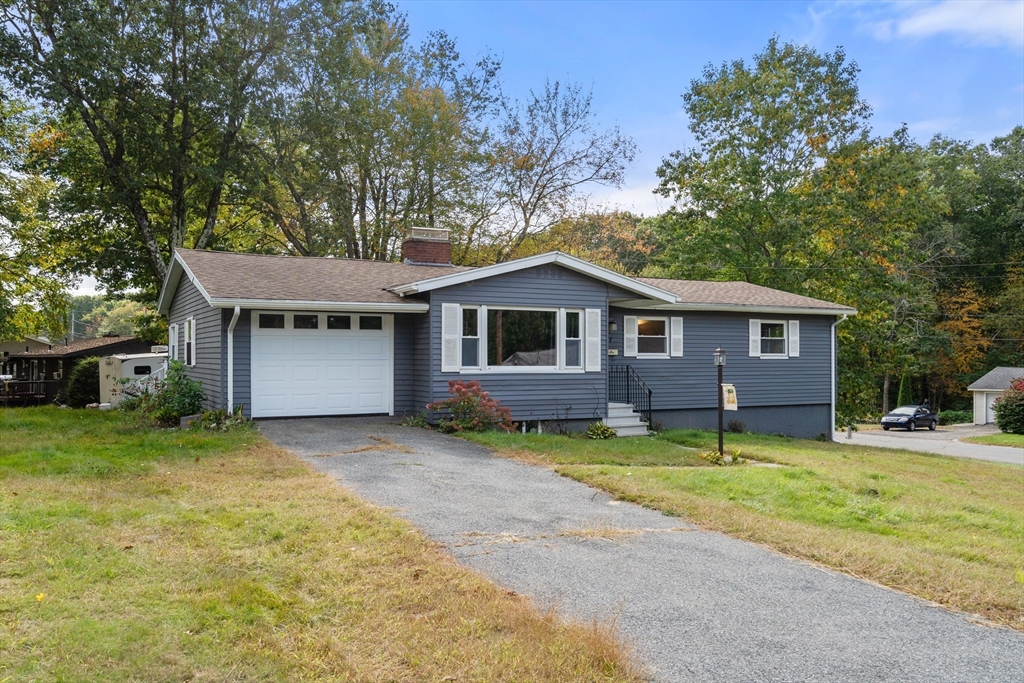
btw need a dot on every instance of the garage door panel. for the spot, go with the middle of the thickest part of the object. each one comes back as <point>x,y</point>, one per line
<point>306,373</point>
<point>371,372</point>
<point>370,401</point>
<point>340,402</point>
<point>321,372</point>
<point>338,372</point>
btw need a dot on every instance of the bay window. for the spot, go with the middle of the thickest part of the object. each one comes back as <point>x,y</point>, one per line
<point>508,339</point>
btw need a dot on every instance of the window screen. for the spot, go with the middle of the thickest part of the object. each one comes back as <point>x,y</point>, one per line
<point>651,337</point>
<point>773,338</point>
<point>573,341</point>
<point>470,337</point>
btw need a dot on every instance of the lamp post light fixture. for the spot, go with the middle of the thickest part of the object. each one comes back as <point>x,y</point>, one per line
<point>719,356</point>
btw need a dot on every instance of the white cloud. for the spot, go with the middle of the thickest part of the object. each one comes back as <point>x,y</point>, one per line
<point>991,22</point>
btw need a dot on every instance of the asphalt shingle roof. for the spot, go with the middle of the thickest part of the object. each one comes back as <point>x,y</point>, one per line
<point>737,294</point>
<point>997,379</point>
<point>76,346</point>
<point>229,275</point>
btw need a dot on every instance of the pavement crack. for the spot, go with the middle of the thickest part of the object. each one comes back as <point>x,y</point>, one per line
<point>604,533</point>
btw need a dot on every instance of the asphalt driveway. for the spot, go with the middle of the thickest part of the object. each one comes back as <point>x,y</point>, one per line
<point>698,606</point>
<point>942,441</point>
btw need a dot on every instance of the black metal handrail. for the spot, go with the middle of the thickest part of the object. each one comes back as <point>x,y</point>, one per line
<point>626,386</point>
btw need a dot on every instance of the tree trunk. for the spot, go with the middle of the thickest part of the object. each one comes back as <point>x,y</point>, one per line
<point>885,394</point>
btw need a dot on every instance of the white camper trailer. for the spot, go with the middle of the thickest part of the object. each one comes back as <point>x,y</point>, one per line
<point>130,370</point>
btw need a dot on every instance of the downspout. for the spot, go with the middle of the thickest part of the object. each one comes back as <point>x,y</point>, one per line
<point>832,424</point>
<point>231,359</point>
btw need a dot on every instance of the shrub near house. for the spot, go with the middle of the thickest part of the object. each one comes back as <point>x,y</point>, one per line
<point>1009,408</point>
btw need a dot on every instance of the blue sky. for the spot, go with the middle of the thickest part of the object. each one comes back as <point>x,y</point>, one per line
<point>955,68</point>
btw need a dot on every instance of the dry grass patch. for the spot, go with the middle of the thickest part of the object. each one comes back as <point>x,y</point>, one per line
<point>946,529</point>
<point>248,565</point>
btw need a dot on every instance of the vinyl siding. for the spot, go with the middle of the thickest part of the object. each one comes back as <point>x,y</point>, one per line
<point>405,361</point>
<point>689,382</point>
<point>421,363</point>
<point>242,394</point>
<point>531,396</point>
<point>188,302</point>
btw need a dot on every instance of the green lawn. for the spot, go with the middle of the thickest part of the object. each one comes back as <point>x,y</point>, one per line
<point>159,555</point>
<point>998,440</point>
<point>947,529</point>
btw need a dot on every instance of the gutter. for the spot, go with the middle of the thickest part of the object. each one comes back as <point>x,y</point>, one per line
<point>832,425</point>
<point>231,359</point>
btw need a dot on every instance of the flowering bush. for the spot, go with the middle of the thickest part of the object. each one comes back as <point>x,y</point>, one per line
<point>1009,408</point>
<point>471,409</point>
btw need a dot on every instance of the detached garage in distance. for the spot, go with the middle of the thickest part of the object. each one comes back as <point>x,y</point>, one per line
<point>989,388</point>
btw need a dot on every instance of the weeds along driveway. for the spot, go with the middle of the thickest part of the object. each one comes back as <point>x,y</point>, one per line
<point>697,606</point>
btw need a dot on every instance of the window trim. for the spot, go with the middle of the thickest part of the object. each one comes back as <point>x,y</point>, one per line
<point>785,338</point>
<point>667,337</point>
<point>482,337</point>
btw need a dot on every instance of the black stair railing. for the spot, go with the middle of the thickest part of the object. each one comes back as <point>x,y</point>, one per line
<point>626,386</point>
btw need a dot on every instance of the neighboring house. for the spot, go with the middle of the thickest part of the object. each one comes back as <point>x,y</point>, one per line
<point>552,337</point>
<point>42,374</point>
<point>988,388</point>
<point>20,346</point>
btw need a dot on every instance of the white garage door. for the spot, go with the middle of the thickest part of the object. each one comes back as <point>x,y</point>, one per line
<point>321,364</point>
<point>990,398</point>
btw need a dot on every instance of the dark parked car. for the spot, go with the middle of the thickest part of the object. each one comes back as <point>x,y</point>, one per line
<point>910,418</point>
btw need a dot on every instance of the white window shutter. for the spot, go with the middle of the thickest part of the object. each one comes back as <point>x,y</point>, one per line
<point>450,329</point>
<point>677,337</point>
<point>593,332</point>
<point>172,342</point>
<point>794,338</point>
<point>629,336</point>
<point>755,338</point>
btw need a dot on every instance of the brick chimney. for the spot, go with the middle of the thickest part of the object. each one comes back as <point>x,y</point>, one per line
<point>427,247</point>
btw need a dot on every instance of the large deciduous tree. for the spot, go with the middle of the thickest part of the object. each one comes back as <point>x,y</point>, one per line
<point>786,188</point>
<point>154,97</point>
<point>548,151</point>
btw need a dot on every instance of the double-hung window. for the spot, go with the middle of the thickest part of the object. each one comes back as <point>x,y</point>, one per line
<point>775,338</point>
<point>172,342</point>
<point>190,341</point>
<point>511,339</point>
<point>652,337</point>
<point>470,337</point>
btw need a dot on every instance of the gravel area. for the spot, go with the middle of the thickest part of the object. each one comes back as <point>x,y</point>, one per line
<point>695,605</point>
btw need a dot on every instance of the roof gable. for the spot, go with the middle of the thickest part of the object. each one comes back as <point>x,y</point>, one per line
<point>633,285</point>
<point>997,379</point>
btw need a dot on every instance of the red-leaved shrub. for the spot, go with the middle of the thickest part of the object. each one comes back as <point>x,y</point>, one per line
<point>1009,408</point>
<point>471,409</point>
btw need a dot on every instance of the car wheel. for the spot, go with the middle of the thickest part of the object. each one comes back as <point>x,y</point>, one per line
<point>885,428</point>
<point>932,424</point>
<point>911,426</point>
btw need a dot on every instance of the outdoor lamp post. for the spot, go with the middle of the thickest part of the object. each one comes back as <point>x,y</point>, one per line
<point>720,363</point>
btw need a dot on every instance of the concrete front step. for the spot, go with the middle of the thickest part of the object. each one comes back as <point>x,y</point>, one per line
<point>625,420</point>
<point>636,430</point>
<point>631,421</point>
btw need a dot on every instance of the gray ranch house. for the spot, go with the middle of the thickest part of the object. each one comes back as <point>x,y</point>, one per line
<point>553,337</point>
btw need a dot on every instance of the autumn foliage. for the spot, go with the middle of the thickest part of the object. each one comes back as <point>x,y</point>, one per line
<point>471,409</point>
